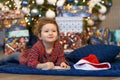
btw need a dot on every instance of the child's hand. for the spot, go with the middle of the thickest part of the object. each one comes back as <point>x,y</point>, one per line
<point>49,65</point>
<point>64,65</point>
<point>46,66</point>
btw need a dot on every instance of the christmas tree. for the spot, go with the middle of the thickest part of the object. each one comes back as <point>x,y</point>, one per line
<point>34,9</point>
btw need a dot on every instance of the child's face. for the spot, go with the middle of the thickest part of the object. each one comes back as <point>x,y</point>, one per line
<point>49,33</point>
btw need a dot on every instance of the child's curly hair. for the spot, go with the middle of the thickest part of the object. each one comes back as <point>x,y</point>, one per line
<point>41,22</point>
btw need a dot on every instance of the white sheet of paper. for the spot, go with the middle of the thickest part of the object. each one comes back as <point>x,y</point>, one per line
<point>58,67</point>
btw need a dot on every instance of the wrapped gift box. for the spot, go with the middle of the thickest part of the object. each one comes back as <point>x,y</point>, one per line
<point>116,35</point>
<point>101,36</point>
<point>70,32</point>
<point>15,34</point>
<point>16,40</point>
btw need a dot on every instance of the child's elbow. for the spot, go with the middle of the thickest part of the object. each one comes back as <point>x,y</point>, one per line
<point>33,65</point>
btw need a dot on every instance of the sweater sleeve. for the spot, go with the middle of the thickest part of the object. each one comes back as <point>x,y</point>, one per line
<point>61,57</point>
<point>32,58</point>
<point>23,57</point>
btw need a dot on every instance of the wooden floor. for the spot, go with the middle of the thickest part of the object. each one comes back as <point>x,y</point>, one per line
<point>6,76</point>
<point>46,77</point>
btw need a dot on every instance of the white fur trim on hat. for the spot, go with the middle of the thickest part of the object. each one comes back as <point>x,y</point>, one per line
<point>86,65</point>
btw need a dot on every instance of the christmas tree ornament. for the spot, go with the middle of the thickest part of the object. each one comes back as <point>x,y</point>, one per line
<point>1,5</point>
<point>60,3</point>
<point>34,12</point>
<point>90,22</point>
<point>5,8</point>
<point>97,1</point>
<point>102,17</point>
<point>52,2</point>
<point>50,14</point>
<point>70,1</point>
<point>39,2</point>
<point>25,10</point>
<point>62,0</point>
<point>24,3</point>
<point>103,9</point>
<point>109,4</point>
<point>18,4</point>
<point>92,4</point>
<point>76,1</point>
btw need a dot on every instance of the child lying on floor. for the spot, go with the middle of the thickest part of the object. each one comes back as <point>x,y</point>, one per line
<point>46,53</point>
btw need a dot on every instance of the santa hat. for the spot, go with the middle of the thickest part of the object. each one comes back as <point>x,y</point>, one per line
<point>91,63</point>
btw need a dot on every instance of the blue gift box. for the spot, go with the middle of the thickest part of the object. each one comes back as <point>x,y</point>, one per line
<point>116,35</point>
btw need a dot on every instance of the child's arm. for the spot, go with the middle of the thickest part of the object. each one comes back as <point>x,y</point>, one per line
<point>34,55</point>
<point>61,59</point>
<point>33,61</point>
<point>32,58</point>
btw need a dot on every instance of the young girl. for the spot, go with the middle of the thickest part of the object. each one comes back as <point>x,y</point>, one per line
<point>46,53</point>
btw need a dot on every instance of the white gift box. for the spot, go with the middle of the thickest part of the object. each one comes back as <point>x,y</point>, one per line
<point>70,29</point>
<point>70,24</point>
